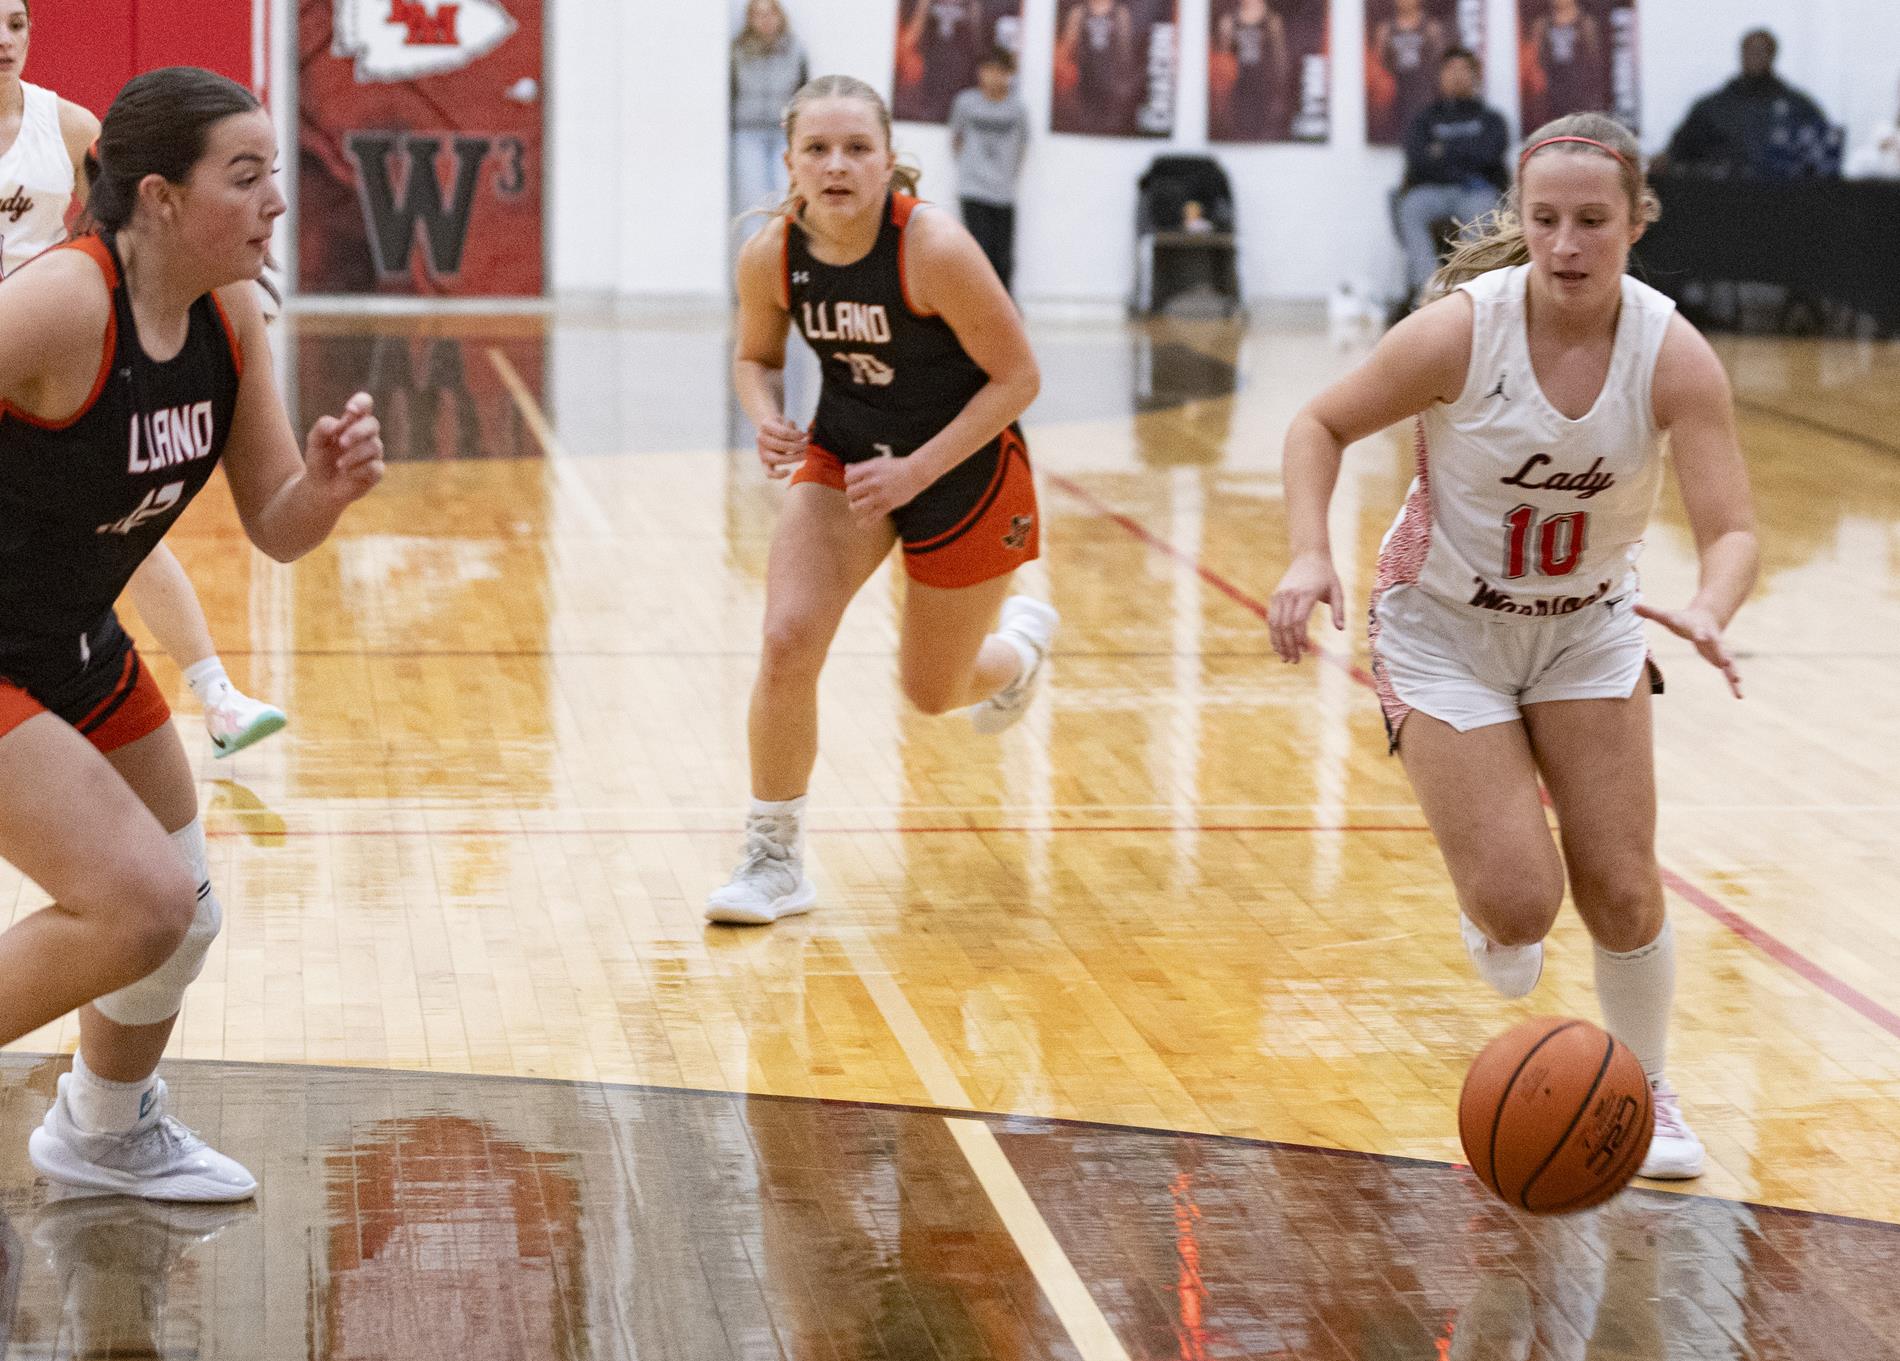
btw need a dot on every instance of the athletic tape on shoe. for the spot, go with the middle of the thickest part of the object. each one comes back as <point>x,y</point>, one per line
<point>159,995</point>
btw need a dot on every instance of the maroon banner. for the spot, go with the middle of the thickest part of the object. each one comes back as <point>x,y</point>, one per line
<point>1405,40</point>
<point>420,158</point>
<point>1269,76</point>
<point>939,44</point>
<point>1577,56</point>
<point>1116,67</point>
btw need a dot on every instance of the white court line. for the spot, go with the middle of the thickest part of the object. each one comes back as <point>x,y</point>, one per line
<point>578,493</point>
<point>1061,1284</point>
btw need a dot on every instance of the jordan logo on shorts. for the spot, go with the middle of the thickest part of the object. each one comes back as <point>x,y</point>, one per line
<point>1018,537</point>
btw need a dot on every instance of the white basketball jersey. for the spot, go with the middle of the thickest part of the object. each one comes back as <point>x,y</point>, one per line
<point>36,182</point>
<point>1517,510</point>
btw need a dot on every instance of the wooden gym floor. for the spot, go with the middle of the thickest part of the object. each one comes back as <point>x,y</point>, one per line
<point>1133,1033</point>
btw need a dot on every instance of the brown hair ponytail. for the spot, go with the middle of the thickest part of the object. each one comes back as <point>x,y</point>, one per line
<point>157,126</point>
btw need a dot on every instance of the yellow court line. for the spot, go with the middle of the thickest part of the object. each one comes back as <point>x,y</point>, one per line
<point>1061,1284</point>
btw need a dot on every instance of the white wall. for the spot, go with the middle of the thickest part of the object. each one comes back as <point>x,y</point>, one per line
<point>639,108</point>
<point>637,146</point>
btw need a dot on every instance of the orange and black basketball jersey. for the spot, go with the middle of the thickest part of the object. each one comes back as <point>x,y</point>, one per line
<point>893,377</point>
<point>82,501</point>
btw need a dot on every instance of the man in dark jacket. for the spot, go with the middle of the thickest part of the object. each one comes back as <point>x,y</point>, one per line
<point>1757,126</point>
<point>1454,164</point>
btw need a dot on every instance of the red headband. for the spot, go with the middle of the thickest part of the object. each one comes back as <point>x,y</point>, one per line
<point>1587,141</point>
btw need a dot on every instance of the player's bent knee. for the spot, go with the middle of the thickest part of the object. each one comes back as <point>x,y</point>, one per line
<point>161,992</point>
<point>931,696</point>
<point>172,933</point>
<point>1623,912</point>
<point>1515,910</point>
<point>792,646</point>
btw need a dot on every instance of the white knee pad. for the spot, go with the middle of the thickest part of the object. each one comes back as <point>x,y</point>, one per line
<point>158,996</point>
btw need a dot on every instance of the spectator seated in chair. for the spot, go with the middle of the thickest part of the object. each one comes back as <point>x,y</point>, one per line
<point>1454,167</point>
<point>1755,127</point>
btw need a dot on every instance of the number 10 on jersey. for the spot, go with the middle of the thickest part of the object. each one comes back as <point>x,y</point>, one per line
<point>1557,541</point>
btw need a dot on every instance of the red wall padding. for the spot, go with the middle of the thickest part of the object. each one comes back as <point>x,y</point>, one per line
<point>86,49</point>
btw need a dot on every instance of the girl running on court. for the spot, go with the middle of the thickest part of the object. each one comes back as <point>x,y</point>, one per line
<point>43,141</point>
<point>926,369</point>
<point>131,361</point>
<point>1506,625</point>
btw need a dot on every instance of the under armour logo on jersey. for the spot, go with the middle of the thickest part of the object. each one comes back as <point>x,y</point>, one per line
<point>1018,537</point>
<point>1499,391</point>
<point>157,502</point>
<point>868,369</point>
<point>801,276</point>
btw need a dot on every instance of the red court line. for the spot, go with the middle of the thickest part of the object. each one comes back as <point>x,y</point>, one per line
<point>1785,954</point>
<point>1765,941</point>
<point>1150,829</point>
<point>1160,545</point>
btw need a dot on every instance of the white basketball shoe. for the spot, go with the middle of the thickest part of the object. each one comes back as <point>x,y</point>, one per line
<point>1029,626</point>
<point>1675,1154</point>
<point>770,881</point>
<point>1511,970</point>
<point>158,1158</point>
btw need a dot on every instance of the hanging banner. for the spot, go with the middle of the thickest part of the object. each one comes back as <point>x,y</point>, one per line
<point>1577,56</point>
<point>419,161</point>
<point>1269,71</point>
<point>940,43</point>
<point>1405,41</point>
<point>1116,67</point>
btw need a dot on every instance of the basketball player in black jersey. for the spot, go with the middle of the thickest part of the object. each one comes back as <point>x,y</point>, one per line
<point>1410,46</point>
<point>130,362</point>
<point>1568,43</point>
<point>926,369</point>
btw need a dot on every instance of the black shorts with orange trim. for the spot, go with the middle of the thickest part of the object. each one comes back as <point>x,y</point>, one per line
<point>100,685</point>
<point>977,522</point>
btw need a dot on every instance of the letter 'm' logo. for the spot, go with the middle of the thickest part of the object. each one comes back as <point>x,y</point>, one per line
<point>409,39</point>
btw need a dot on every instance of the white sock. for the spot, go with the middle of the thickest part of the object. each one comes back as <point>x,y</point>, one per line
<point>101,1106</point>
<point>790,810</point>
<point>207,678</point>
<point>784,808</point>
<point>1634,991</point>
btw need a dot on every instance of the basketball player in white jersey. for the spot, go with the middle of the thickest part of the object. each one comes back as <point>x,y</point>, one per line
<point>1506,629</point>
<point>43,141</point>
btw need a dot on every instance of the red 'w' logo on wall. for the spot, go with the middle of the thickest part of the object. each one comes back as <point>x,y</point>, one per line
<point>425,29</point>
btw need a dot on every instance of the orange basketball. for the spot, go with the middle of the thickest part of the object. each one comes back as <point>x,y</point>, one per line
<point>1223,71</point>
<point>1067,76</point>
<point>910,66</point>
<point>1555,1115</point>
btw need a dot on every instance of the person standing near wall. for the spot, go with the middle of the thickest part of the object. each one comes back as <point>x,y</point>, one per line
<point>768,67</point>
<point>43,141</point>
<point>989,132</point>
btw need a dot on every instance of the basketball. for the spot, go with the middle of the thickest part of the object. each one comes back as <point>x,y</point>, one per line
<point>910,65</point>
<point>1223,70</point>
<point>1555,1115</point>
